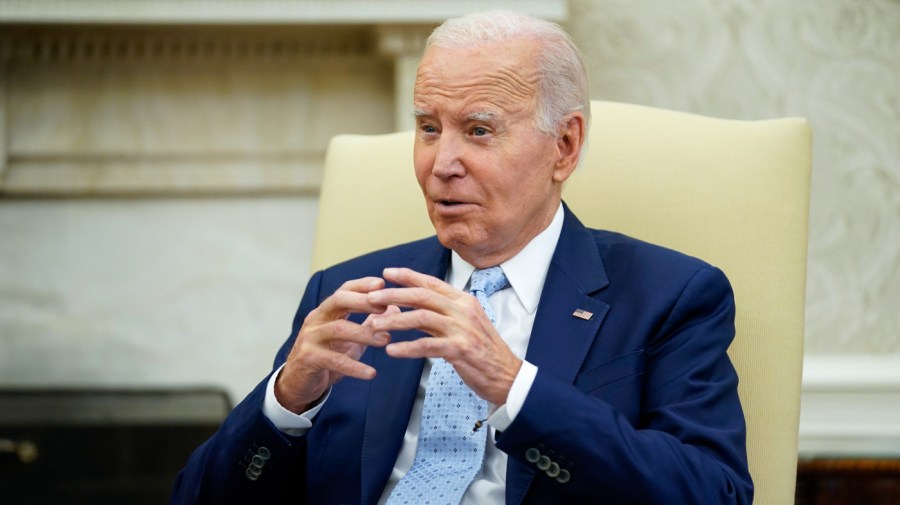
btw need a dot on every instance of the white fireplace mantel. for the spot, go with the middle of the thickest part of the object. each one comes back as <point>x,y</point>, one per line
<point>95,95</point>
<point>261,11</point>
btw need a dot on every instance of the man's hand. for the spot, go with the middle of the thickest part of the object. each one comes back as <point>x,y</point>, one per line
<point>462,333</point>
<point>328,346</point>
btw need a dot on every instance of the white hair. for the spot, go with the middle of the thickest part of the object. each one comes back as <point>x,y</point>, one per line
<point>562,79</point>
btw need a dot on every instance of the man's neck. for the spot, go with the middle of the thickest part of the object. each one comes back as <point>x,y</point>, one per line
<point>526,270</point>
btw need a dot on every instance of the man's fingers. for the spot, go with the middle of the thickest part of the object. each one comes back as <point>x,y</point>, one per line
<point>391,309</point>
<point>362,285</point>
<point>352,297</point>
<point>415,297</point>
<point>348,301</point>
<point>342,330</point>
<point>411,278</point>
<point>422,348</point>
<point>421,319</point>
<point>341,363</point>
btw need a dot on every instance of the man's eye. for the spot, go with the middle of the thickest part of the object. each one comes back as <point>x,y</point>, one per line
<point>479,131</point>
<point>428,128</point>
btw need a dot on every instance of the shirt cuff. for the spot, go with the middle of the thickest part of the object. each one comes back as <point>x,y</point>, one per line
<point>283,419</point>
<point>506,414</point>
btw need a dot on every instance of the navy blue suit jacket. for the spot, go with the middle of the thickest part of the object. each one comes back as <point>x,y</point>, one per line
<point>638,404</point>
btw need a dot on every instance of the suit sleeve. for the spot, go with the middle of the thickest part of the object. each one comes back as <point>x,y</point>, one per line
<point>687,445</point>
<point>248,460</point>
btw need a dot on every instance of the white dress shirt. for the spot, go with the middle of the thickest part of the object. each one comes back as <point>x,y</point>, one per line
<point>515,309</point>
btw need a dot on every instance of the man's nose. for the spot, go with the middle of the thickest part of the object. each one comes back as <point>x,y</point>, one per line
<point>448,157</point>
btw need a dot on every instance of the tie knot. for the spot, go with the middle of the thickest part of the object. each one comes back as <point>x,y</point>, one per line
<point>488,281</point>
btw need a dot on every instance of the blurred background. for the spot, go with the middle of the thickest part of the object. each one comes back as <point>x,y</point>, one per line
<point>160,162</point>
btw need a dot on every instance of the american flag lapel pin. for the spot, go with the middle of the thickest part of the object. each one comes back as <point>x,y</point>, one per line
<point>583,314</point>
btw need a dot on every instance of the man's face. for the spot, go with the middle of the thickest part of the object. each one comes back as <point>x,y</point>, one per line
<point>491,179</point>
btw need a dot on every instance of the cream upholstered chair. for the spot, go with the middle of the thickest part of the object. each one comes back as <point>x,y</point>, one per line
<point>735,193</point>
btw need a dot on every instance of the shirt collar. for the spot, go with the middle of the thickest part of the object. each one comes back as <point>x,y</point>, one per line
<point>526,271</point>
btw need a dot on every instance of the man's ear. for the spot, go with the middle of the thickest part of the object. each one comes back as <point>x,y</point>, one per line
<point>569,141</point>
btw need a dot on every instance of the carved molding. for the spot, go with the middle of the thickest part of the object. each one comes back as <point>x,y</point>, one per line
<point>402,40</point>
<point>99,44</point>
<point>261,11</point>
<point>112,50</point>
<point>850,406</point>
<point>152,175</point>
<point>3,132</point>
<point>403,43</point>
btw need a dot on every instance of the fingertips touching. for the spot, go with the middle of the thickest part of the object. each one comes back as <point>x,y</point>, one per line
<point>363,285</point>
<point>404,276</point>
<point>381,338</point>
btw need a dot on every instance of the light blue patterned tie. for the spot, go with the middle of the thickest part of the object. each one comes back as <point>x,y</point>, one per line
<point>449,453</point>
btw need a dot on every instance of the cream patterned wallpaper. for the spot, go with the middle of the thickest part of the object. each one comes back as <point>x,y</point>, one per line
<point>835,62</point>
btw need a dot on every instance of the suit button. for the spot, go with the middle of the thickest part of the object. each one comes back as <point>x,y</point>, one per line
<point>532,455</point>
<point>264,452</point>
<point>553,471</point>
<point>258,461</point>
<point>563,476</point>
<point>543,463</point>
<point>253,473</point>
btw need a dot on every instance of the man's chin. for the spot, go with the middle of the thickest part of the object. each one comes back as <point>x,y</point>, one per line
<point>456,236</point>
<point>472,247</point>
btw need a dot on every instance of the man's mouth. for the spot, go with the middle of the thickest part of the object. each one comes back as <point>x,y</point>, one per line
<point>449,207</point>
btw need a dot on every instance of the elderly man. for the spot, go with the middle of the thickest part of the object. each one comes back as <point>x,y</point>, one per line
<point>516,357</point>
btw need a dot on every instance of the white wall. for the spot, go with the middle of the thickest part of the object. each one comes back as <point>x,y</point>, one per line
<point>150,292</point>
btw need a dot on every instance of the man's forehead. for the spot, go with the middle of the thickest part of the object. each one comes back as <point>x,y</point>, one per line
<point>468,78</point>
<point>479,98</point>
<point>484,81</point>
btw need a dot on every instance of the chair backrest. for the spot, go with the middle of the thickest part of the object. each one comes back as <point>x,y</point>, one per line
<point>734,193</point>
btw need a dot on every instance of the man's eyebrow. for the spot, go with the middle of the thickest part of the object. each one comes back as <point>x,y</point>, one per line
<point>482,116</point>
<point>473,116</point>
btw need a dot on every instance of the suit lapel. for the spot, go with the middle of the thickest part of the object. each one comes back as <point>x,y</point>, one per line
<point>393,391</point>
<point>560,340</point>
